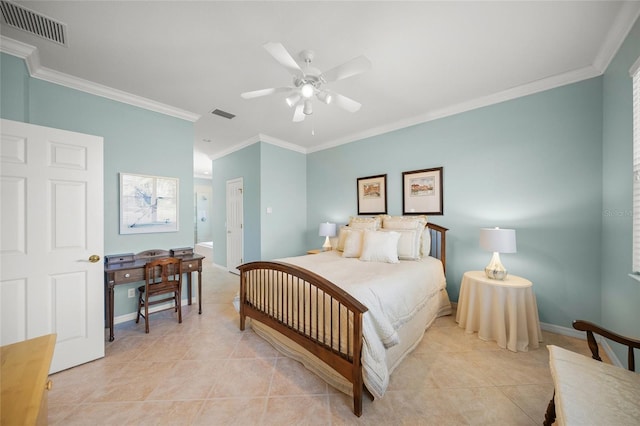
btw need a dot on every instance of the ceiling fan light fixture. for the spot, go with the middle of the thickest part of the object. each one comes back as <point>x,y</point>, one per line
<point>307,90</point>
<point>292,100</point>
<point>308,110</point>
<point>325,97</point>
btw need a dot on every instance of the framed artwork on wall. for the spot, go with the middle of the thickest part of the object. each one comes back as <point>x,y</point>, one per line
<point>372,195</point>
<point>148,204</point>
<point>422,192</point>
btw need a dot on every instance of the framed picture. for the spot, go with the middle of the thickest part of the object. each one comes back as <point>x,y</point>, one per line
<point>372,195</point>
<point>422,192</point>
<point>148,204</point>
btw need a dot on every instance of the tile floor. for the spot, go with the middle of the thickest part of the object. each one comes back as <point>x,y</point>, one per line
<point>206,372</point>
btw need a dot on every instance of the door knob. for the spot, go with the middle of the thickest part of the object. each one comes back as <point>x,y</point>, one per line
<point>94,258</point>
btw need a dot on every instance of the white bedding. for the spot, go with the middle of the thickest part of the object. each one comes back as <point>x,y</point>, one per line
<point>395,294</point>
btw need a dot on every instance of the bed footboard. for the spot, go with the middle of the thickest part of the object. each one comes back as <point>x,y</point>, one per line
<point>311,311</point>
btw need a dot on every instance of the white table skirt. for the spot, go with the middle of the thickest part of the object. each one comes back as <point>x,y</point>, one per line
<point>503,311</point>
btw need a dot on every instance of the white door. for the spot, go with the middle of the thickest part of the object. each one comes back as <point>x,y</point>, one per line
<point>51,223</point>
<point>234,225</point>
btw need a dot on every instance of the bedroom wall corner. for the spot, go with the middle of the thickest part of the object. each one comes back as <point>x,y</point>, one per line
<point>620,293</point>
<point>135,141</point>
<point>244,163</point>
<point>14,81</point>
<point>283,202</point>
<point>532,163</point>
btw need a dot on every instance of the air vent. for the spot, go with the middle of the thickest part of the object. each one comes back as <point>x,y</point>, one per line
<point>35,23</point>
<point>222,113</point>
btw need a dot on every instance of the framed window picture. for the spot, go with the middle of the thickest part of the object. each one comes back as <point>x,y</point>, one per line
<point>148,204</point>
<point>372,195</point>
<point>422,192</point>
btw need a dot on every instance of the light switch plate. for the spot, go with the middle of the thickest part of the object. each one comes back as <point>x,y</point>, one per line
<point>132,292</point>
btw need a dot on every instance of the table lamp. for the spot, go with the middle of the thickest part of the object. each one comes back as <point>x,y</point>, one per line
<point>327,230</point>
<point>497,241</point>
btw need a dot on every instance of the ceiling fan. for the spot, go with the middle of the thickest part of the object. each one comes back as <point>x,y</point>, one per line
<point>309,81</point>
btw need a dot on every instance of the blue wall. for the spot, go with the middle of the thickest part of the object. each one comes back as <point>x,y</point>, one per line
<point>620,293</point>
<point>284,190</point>
<point>244,164</point>
<point>533,164</point>
<point>135,141</point>
<point>272,177</point>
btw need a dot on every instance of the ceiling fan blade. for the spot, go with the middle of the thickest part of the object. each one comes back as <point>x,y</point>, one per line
<point>346,103</point>
<point>298,115</point>
<point>264,92</point>
<point>281,55</point>
<point>350,68</point>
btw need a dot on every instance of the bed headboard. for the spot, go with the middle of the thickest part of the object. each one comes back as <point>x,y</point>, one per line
<point>438,243</point>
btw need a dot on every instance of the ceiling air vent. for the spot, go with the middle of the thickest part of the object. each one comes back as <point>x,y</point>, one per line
<point>34,23</point>
<point>222,113</point>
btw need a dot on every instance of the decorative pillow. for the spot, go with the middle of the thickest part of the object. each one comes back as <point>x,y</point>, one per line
<point>380,246</point>
<point>365,222</point>
<point>353,243</point>
<point>404,222</point>
<point>409,247</point>
<point>342,236</point>
<point>425,245</point>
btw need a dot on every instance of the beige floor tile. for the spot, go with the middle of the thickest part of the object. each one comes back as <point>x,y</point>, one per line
<point>292,378</point>
<point>530,398</point>
<point>297,410</point>
<point>253,346</point>
<point>113,413</point>
<point>244,377</point>
<point>241,411</point>
<point>487,405</point>
<point>206,371</point>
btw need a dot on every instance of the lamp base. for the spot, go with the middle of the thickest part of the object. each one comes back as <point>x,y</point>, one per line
<point>327,244</point>
<point>495,270</point>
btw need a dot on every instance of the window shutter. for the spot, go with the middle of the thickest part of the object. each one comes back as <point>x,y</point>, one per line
<point>636,170</point>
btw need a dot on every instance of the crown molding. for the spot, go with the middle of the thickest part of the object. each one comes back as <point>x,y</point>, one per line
<point>282,144</point>
<point>627,16</point>
<point>260,137</point>
<point>36,70</point>
<point>495,98</point>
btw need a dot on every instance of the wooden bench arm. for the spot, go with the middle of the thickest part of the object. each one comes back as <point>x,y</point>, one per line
<point>591,328</point>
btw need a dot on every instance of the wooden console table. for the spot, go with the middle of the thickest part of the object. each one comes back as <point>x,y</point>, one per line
<point>131,271</point>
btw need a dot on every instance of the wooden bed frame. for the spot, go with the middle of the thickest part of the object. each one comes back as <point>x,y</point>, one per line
<point>310,305</point>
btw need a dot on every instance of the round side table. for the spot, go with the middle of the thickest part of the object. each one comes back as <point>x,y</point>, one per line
<point>503,311</point>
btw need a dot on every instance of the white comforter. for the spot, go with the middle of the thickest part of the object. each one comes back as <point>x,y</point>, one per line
<point>393,293</point>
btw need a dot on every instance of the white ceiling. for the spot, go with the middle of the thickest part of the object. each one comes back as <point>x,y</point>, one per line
<point>430,59</point>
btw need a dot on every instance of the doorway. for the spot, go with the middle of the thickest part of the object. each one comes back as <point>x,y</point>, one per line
<point>235,232</point>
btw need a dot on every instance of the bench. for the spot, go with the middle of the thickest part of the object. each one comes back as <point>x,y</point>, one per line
<point>590,392</point>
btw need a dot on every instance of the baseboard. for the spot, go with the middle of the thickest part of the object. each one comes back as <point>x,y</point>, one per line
<point>572,332</point>
<point>132,316</point>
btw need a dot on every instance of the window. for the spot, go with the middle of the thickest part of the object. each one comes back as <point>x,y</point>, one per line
<point>635,74</point>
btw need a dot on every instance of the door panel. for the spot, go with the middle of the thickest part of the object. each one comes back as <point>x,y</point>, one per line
<point>235,233</point>
<point>52,221</point>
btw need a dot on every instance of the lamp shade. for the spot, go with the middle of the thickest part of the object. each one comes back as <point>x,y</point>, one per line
<point>327,229</point>
<point>498,240</point>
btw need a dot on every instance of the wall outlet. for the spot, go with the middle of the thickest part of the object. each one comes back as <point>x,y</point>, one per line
<point>132,292</point>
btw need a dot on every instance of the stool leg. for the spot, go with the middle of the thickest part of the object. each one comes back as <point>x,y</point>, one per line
<point>146,313</point>
<point>179,307</point>
<point>139,307</point>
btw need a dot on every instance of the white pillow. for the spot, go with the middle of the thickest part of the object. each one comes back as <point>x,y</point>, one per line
<point>380,246</point>
<point>342,236</point>
<point>364,222</point>
<point>404,222</point>
<point>353,243</point>
<point>409,247</point>
<point>425,245</point>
